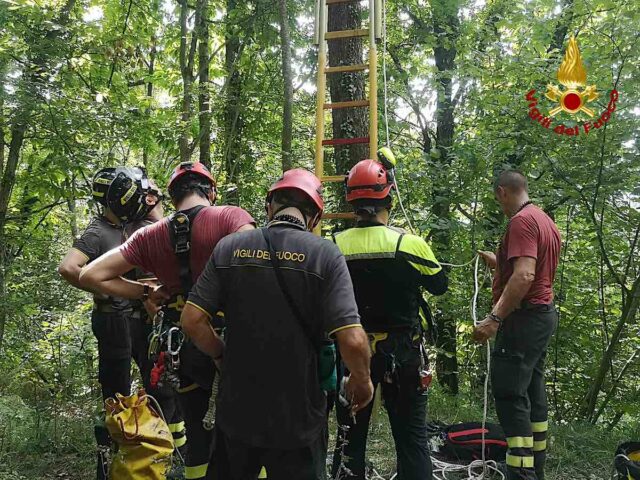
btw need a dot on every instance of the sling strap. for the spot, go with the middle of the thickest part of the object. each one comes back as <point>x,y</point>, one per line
<point>180,233</point>
<point>285,291</point>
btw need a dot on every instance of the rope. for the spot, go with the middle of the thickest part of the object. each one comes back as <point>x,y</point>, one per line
<point>454,265</point>
<point>440,467</point>
<point>161,413</point>
<point>478,469</point>
<point>386,110</point>
<point>209,420</point>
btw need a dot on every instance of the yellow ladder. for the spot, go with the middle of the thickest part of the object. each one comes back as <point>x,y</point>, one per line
<point>321,37</point>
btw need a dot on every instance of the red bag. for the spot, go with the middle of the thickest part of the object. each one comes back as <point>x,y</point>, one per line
<point>463,441</point>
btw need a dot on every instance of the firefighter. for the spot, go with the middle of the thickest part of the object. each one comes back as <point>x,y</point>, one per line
<point>524,319</point>
<point>283,290</point>
<point>112,318</point>
<point>388,268</point>
<point>176,250</point>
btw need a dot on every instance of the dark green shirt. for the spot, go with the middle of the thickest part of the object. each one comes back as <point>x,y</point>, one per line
<point>98,238</point>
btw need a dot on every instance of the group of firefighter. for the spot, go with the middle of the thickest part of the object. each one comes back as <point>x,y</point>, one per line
<point>285,325</point>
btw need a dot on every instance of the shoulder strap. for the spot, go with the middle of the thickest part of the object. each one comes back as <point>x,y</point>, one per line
<point>399,242</point>
<point>283,287</point>
<point>180,234</point>
<point>432,332</point>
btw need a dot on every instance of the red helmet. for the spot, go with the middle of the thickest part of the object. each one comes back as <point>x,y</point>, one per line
<point>190,167</point>
<point>368,179</point>
<point>302,180</point>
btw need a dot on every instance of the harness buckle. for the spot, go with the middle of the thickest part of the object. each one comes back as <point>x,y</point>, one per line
<point>374,338</point>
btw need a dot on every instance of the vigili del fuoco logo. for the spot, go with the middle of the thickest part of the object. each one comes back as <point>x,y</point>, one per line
<point>574,99</point>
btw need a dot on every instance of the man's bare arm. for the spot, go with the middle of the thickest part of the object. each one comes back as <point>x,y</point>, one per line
<point>356,355</point>
<point>195,323</point>
<point>71,266</point>
<point>104,275</point>
<point>518,285</point>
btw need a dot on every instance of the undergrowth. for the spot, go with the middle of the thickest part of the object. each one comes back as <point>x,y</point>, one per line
<point>38,445</point>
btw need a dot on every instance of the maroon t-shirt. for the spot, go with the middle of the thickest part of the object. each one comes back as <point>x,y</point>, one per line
<point>150,248</point>
<point>530,233</point>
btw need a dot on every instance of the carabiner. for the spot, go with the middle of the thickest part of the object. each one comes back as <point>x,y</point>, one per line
<point>170,348</point>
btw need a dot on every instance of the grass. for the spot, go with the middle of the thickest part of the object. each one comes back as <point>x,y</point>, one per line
<point>577,451</point>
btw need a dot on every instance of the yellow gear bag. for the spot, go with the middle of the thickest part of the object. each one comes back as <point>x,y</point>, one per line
<point>145,444</point>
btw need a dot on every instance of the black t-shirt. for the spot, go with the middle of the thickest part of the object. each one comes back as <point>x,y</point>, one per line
<point>270,394</point>
<point>98,238</point>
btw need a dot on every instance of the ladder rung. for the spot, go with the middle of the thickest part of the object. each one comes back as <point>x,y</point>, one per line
<point>333,178</point>
<point>350,104</point>
<point>359,32</point>
<point>339,216</point>
<point>344,141</point>
<point>335,2</point>
<point>358,67</point>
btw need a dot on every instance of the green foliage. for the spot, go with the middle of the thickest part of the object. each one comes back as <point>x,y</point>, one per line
<point>81,86</point>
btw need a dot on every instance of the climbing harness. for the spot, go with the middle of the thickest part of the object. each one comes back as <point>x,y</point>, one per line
<point>167,339</point>
<point>165,343</point>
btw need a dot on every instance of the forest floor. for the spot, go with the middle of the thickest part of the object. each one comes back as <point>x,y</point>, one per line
<point>578,451</point>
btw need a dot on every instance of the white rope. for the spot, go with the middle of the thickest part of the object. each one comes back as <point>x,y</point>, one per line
<point>478,469</point>
<point>386,109</point>
<point>161,413</point>
<point>454,265</point>
<point>440,467</point>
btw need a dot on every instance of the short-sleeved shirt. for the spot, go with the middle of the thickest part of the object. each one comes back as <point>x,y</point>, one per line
<point>150,248</point>
<point>530,233</point>
<point>98,238</point>
<point>270,394</point>
<point>388,267</point>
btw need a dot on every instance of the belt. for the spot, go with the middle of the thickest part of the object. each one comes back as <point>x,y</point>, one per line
<point>108,308</point>
<point>526,305</point>
<point>375,337</point>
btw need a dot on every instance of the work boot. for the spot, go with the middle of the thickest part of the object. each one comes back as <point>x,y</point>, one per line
<point>540,460</point>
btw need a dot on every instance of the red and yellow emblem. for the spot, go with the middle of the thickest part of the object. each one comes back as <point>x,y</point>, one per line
<point>572,75</point>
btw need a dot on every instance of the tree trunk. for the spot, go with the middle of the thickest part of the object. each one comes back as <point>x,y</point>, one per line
<point>233,123</point>
<point>150,71</point>
<point>28,91</point>
<point>629,311</point>
<point>187,53</point>
<point>18,131</point>
<point>287,77</point>
<point>204,108</point>
<point>446,28</point>
<point>347,122</point>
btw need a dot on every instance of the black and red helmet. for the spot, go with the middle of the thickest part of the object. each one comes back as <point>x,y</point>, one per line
<point>131,196</point>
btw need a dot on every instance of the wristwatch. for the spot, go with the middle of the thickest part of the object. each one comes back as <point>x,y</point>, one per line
<point>495,318</point>
<point>145,292</point>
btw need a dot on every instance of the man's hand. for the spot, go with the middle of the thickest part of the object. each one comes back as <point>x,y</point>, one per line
<point>485,330</point>
<point>157,297</point>
<point>489,258</point>
<point>359,392</point>
<point>152,309</point>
